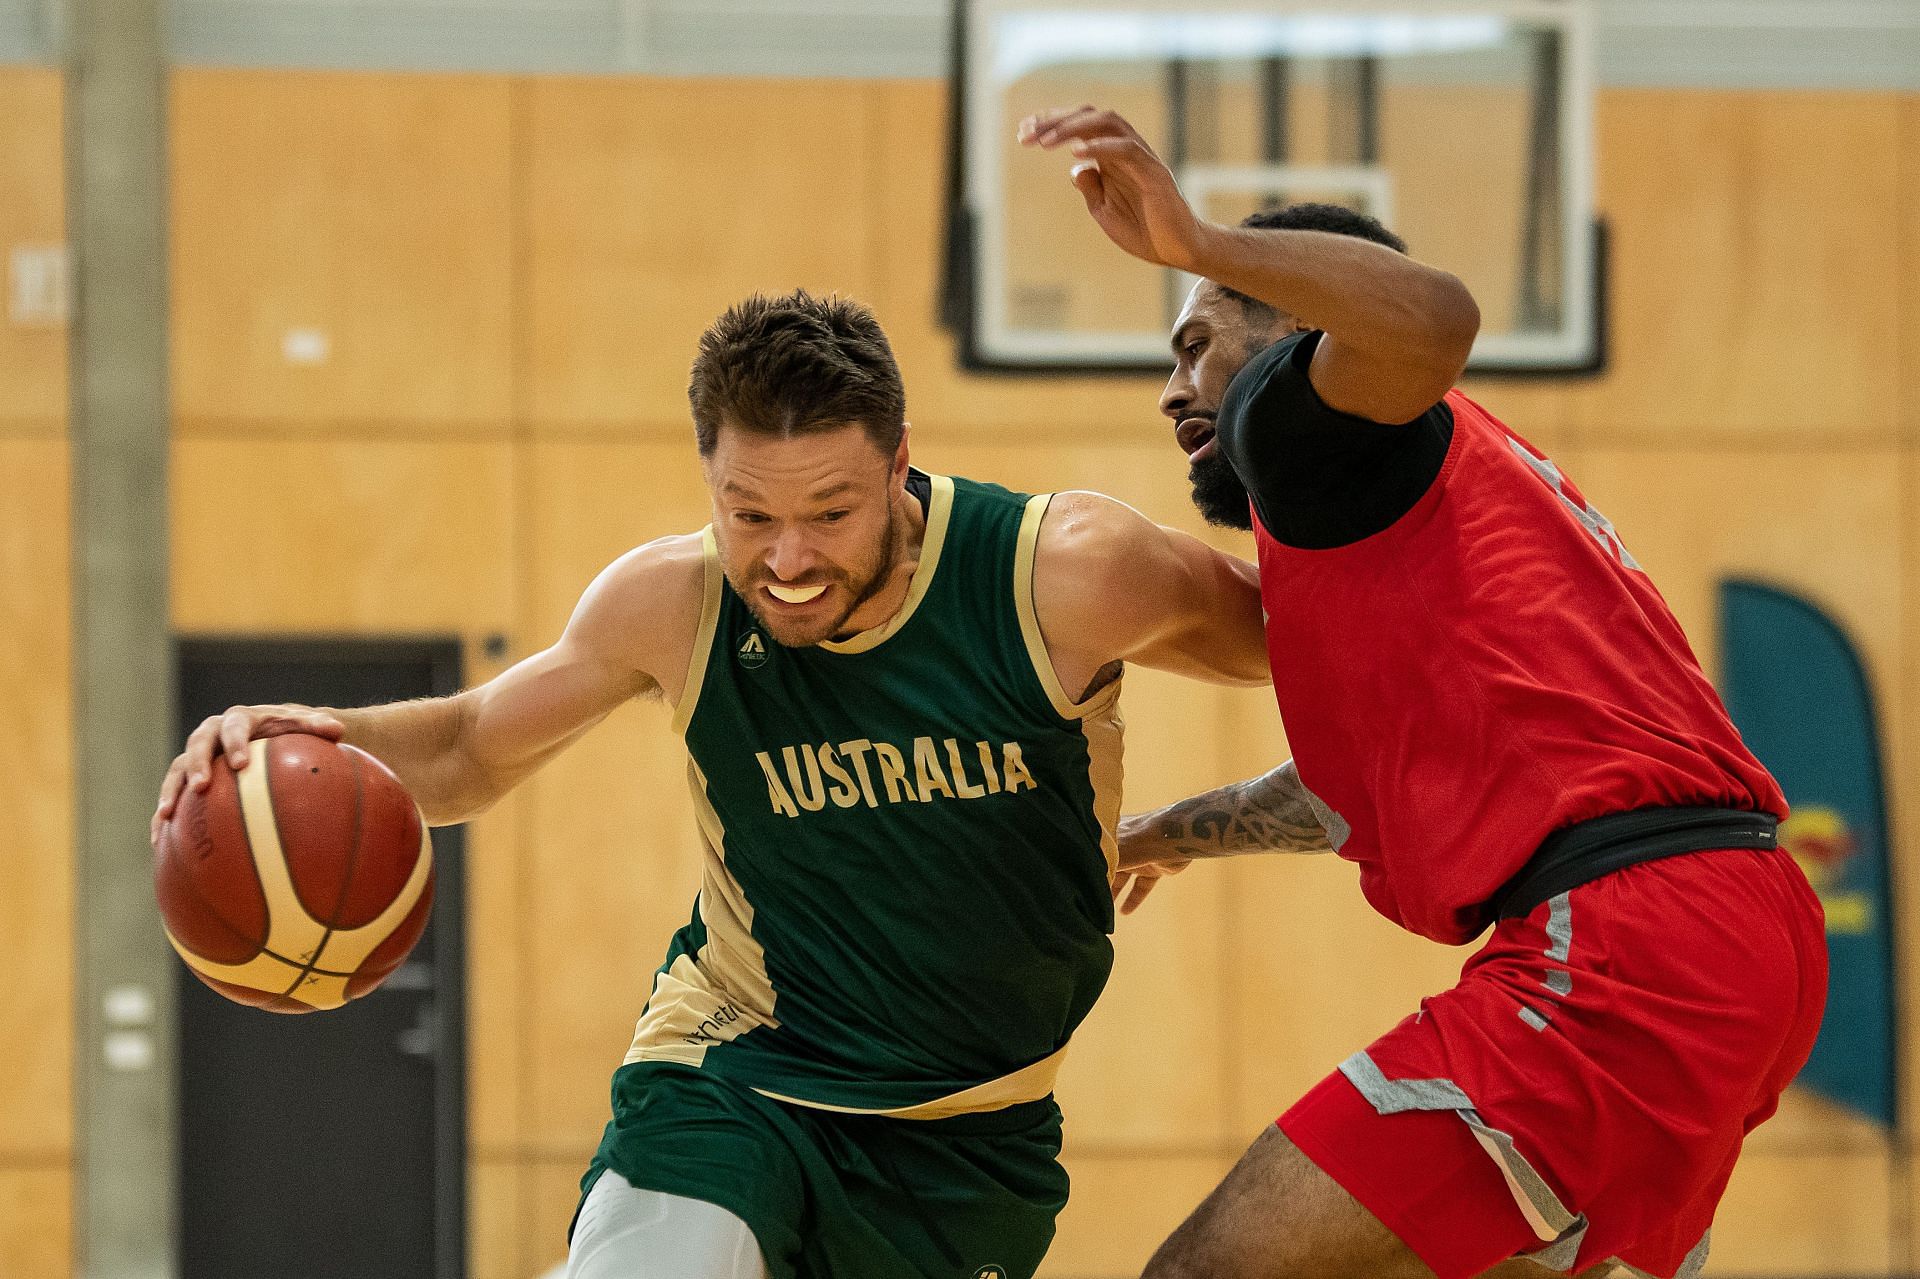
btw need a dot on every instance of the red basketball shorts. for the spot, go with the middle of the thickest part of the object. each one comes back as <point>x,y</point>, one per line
<point>1582,1093</point>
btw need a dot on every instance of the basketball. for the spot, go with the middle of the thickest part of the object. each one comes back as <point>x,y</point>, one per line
<point>299,882</point>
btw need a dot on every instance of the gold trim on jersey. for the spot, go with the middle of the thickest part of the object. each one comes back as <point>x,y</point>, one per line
<point>1098,715</point>
<point>714,578</point>
<point>939,513</point>
<point>1029,1083</point>
<point>723,991</point>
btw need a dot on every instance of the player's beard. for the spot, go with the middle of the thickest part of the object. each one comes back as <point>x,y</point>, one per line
<point>1218,493</point>
<point>859,587</point>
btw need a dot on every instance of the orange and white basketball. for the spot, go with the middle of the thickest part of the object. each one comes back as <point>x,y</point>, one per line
<point>301,881</point>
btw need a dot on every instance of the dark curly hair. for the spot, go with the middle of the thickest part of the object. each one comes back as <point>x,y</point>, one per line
<point>796,364</point>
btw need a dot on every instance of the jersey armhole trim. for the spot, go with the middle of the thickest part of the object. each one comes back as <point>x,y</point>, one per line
<point>703,637</point>
<point>1026,550</point>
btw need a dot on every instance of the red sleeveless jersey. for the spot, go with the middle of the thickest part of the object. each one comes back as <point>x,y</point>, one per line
<point>1492,667</point>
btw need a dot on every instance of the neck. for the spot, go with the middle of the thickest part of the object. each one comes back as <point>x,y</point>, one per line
<point>906,534</point>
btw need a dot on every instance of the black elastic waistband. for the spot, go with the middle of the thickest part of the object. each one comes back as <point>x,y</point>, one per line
<point>1581,854</point>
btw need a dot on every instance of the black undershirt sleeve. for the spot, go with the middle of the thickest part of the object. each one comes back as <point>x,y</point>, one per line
<point>1320,478</point>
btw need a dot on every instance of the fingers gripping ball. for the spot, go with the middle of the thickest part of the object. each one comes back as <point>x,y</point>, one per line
<point>299,882</point>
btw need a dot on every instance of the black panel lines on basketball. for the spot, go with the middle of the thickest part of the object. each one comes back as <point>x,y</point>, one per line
<point>259,944</point>
<point>332,922</point>
<point>191,886</point>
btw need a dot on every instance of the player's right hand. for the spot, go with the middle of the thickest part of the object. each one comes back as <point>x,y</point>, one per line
<point>229,734</point>
<point>1128,189</point>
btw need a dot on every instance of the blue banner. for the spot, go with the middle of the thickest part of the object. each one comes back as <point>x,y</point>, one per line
<point>1800,696</point>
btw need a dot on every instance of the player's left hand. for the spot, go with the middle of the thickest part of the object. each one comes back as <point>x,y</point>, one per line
<point>1129,192</point>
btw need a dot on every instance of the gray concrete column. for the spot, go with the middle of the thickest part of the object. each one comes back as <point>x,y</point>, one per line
<point>123,662</point>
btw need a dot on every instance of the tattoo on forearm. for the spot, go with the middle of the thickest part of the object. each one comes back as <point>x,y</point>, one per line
<point>1265,814</point>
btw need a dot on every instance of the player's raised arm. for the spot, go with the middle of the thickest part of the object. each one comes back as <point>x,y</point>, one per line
<point>457,756</point>
<point>1398,332</point>
<point>1110,585</point>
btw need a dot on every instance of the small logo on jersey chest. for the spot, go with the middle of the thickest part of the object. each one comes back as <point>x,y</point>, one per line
<point>989,1272</point>
<point>752,650</point>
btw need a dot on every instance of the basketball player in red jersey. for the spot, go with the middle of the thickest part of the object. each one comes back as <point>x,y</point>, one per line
<point>1494,714</point>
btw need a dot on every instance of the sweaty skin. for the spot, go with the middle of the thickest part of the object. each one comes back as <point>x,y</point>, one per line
<point>826,510</point>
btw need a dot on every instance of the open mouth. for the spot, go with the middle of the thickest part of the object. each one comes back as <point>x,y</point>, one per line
<point>796,594</point>
<point>1195,435</point>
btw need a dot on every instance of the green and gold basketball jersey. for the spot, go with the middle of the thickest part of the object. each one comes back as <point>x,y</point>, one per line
<point>908,833</point>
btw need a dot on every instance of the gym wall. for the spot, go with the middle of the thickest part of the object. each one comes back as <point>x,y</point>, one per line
<point>503,279</point>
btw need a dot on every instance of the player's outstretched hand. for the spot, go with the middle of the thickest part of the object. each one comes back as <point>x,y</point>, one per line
<point>229,734</point>
<point>1129,192</point>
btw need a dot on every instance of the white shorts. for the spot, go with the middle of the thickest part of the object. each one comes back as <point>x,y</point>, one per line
<point>624,1233</point>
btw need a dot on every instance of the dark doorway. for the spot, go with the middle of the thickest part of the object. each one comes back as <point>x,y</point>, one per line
<point>331,1144</point>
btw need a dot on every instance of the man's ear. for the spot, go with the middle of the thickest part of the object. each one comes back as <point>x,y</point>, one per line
<point>900,454</point>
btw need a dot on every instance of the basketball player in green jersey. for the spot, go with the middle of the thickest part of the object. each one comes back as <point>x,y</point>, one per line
<point>897,692</point>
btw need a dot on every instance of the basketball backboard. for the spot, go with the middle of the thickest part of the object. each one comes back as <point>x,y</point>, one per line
<point>1466,127</point>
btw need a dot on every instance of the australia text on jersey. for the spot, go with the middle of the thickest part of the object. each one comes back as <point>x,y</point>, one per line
<point>839,772</point>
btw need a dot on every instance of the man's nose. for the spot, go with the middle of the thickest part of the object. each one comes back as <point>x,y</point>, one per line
<point>1178,395</point>
<point>790,556</point>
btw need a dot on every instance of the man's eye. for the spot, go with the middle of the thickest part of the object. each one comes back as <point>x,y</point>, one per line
<point>749,517</point>
<point>1194,349</point>
<point>834,517</point>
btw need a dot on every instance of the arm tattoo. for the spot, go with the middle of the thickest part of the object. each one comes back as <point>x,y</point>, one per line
<point>1265,814</point>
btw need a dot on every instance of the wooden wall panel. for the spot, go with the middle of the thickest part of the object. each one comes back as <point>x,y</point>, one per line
<point>1908,271</point>
<point>372,210</point>
<point>1825,525</point>
<point>36,1221</point>
<point>493,1219</point>
<point>1752,291</point>
<point>652,205</point>
<point>910,141</point>
<point>342,534</point>
<point>1124,1205</point>
<point>36,824</point>
<point>549,1193</point>
<point>33,359</point>
<point>613,852</point>
<point>1805,1214</point>
<point>497,1048</point>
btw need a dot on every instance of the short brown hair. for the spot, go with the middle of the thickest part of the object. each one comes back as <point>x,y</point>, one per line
<point>790,365</point>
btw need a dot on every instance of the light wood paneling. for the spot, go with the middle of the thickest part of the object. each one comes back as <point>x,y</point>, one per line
<point>497,1048</point>
<point>342,535</point>
<point>613,852</point>
<point>549,1193</point>
<point>910,141</point>
<point>1124,1206</point>
<point>36,899</point>
<point>1907,269</point>
<point>1805,1214</point>
<point>493,1220</point>
<point>33,360</point>
<point>652,205</point>
<point>36,1222</point>
<point>370,210</point>
<point>1753,294</point>
<point>1825,525</point>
